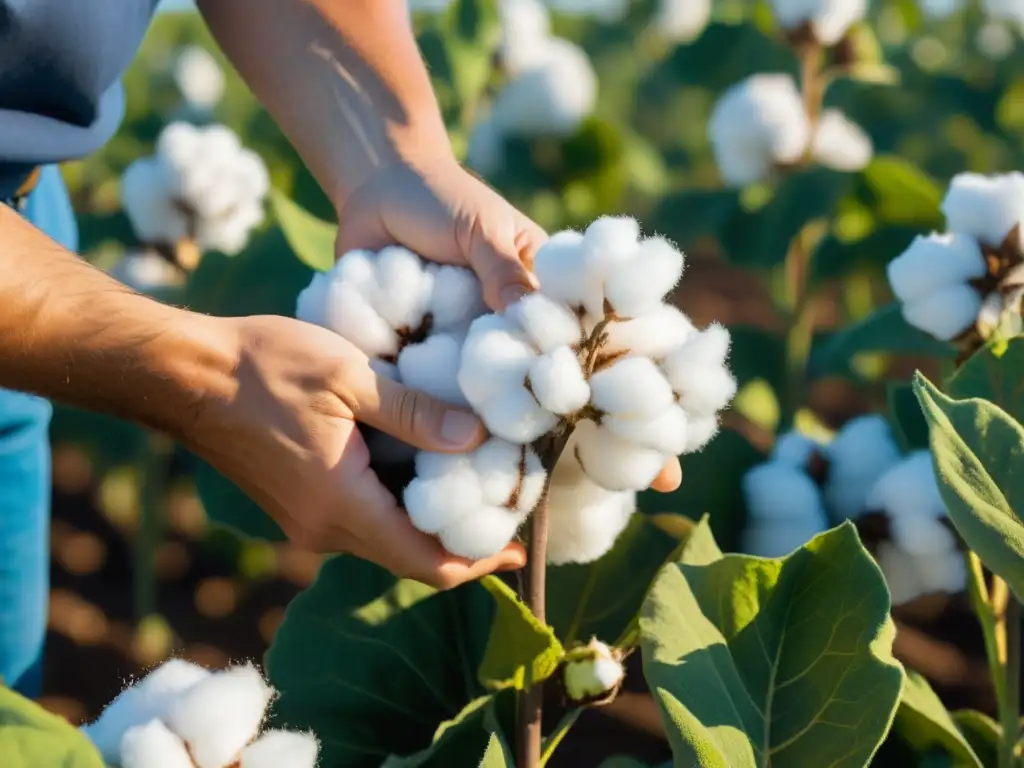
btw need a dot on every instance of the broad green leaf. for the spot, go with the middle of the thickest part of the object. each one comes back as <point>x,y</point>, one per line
<point>710,486</point>
<point>994,373</point>
<point>923,722</point>
<point>31,737</point>
<point>835,257</point>
<point>374,664</point>
<point>901,193</point>
<point>978,451</point>
<point>468,739</point>
<point>517,641</point>
<point>905,415</point>
<point>226,504</point>
<point>982,732</point>
<point>725,54</point>
<point>311,239</point>
<point>690,214</point>
<point>785,662</point>
<point>497,754</point>
<point>884,330</point>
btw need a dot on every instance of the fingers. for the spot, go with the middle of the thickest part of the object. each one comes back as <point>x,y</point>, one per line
<point>412,416</point>
<point>669,478</point>
<point>503,265</point>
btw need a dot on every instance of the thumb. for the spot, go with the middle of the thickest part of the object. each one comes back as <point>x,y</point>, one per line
<point>412,416</point>
<point>503,266</point>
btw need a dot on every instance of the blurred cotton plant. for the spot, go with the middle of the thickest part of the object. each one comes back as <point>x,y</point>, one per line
<point>201,190</point>
<point>198,77</point>
<point>964,284</point>
<point>184,716</point>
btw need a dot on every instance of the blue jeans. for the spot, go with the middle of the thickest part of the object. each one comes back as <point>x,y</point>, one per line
<point>25,487</point>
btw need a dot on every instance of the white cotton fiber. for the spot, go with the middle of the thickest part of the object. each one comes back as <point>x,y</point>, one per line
<point>457,297</point>
<point>616,464</point>
<point>901,573</point>
<point>432,366</point>
<point>561,269</point>
<point>497,464</point>
<point>638,286</point>
<point>514,415</point>
<point>281,749</point>
<point>632,387</point>
<point>840,143</point>
<point>933,262</point>
<point>401,298</point>
<point>700,431</point>
<point>548,323</point>
<point>496,357</point>
<point>666,432</point>
<point>350,314</point>
<point>795,449</point>
<point>653,335</point>
<point>946,313</point>
<point>776,493</point>
<point>481,534</point>
<point>985,207</point>
<point>557,382</point>
<point>152,745</point>
<point>436,502</point>
<point>860,453</point>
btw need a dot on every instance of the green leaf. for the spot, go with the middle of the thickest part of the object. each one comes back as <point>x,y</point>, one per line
<point>374,664</point>
<point>603,598</point>
<point>785,662</point>
<point>924,723</point>
<point>470,738</point>
<point>977,450</point>
<point>905,415</point>
<point>884,330</point>
<point>518,641</point>
<point>994,373</point>
<point>471,32</point>
<point>226,504</point>
<point>311,239</point>
<point>31,737</point>
<point>901,193</point>
<point>497,754</point>
<point>982,732</point>
<point>690,214</point>
<point>835,257</point>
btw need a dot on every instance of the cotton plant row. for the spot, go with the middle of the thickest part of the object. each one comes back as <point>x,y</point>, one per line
<point>200,188</point>
<point>807,486</point>
<point>960,284</point>
<point>587,386</point>
<point>184,716</point>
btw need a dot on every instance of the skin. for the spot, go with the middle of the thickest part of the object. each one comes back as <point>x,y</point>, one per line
<point>271,402</point>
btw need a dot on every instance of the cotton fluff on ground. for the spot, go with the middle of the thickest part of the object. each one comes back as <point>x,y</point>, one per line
<point>595,357</point>
<point>201,184</point>
<point>184,716</point>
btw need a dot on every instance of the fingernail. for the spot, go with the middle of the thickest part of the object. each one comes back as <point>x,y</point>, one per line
<point>459,428</point>
<point>510,294</point>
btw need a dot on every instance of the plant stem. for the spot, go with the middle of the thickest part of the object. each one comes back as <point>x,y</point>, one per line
<point>531,702</point>
<point>1008,624</point>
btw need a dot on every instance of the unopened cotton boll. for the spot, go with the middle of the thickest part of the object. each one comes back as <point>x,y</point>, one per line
<point>829,19</point>
<point>985,207</point>
<point>638,286</point>
<point>614,463</point>
<point>221,714</point>
<point>632,387</point>
<point>653,335</point>
<point>152,745</point>
<point>147,699</point>
<point>281,749</point>
<point>946,313</point>
<point>840,143</point>
<point>557,382</point>
<point>549,325</point>
<point>757,124</point>
<point>933,262</point>
<point>860,453</point>
<point>198,77</point>
<point>432,366</point>
<point>592,672</point>
<point>682,20</point>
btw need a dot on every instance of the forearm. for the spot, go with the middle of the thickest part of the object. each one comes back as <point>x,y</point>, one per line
<point>342,78</point>
<point>72,334</point>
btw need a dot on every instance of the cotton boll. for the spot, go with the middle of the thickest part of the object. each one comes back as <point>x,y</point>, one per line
<point>829,19</point>
<point>561,269</point>
<point>281,749</point>
<point>221,714</point>
<point>921,534</point>
<point>709,347</point>
<point>496,356</point>
<point>909,488</point>
<point>350,314</point>
<point>942,573</point>
<point>652,335</point>
<point>592,672</point>
<point>795,449</point>
<point>531,489</point>
<point>432,366</point>
<point>252,173</point>
<point>482,534</point>
<point>585,521</point>
<point>985,207</point>
<point>615,464</point>
<point>149,698</point>
<point>311,303</point>
<point>946,313</point>
<point>777,493</point>
<point>638,286</point>
<point>434,503</point>
<point>705,390</point>
<point>525,27</point>
<point>756,124</point>
<point>609,242</point>
<point>198,77</point>
<point>682,21</point>
<point>400,298</point>
<point>497,465</point>
<point>515,415</point>
<point>549,325</point>
<point>778,539</point>
<point>933,262</point>
<point>147,201</point>
<point>557,382</point>
<point>632,387</point>
<point>861,452</point>
<point>666,432</point>
<point>840,143</point>
<point>178,144</point>
<point>457,298</point>
<point>358,269</point>
<point>901,573</point>
<point>700,431</point>
<point>152,745</point>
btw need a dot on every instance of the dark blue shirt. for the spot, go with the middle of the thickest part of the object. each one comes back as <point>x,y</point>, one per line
<point>60,68</point>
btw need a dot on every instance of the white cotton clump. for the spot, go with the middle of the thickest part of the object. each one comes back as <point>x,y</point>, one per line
<point>153,745</point>
<point>549,324</point>
<point>201,184</point>
<point>198,77</point>
<point>757,124</point>
<point>141,702</point>
<point>584,519</point>
<point>281,749</point>
<point>432,366</point>
<point>638,286</point>
<point>946,313</point>
<point>592,672</point>
<point>682,21</point>
<point>632,387</point>
<point>840,143</point>
<point>795,449</point>
<point>900,571</point>
<point>933,262</point>
<point>784,509</point>
<point>614,463</point>
<point>221,714</point>
<point>525,29</point>
<point>654,334</point>
<point>456,298</point>
<point>860,453</point>
<point>557,382</point>
<point>667,431</point>
<point>909,488</point>
<point>829,19</point>
<point>403,288</point>
<point>697,371</point>
<point>560,268</point>
<point>985,207</point>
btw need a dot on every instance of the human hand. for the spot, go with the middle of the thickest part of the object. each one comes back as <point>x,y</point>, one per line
<point>287,436</point>
<point>443,213</point>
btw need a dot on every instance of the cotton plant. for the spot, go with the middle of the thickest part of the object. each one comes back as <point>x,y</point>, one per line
<point>961,285</point>
<point>824,21</point>
<point>198,77</point>
<point>201,190</point>
<point>587,386</point>
<point>681,21</point>
<point>184,716</point>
